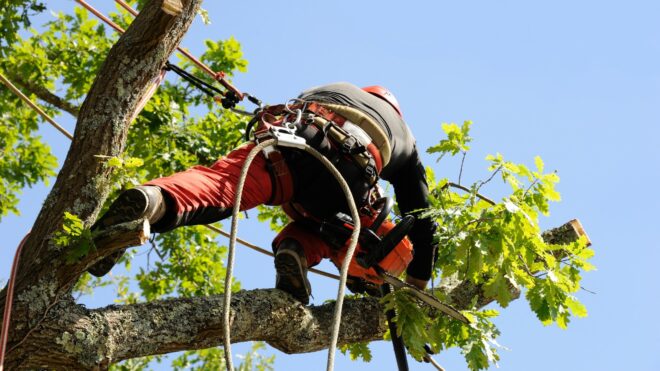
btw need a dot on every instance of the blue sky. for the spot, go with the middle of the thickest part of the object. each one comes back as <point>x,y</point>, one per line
<point>577,83</point>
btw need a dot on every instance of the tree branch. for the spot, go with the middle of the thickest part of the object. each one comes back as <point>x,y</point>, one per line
<point>75,337</point>
<point>44,94</point>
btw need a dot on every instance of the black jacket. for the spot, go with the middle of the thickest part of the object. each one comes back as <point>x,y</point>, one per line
<point>322,196</point>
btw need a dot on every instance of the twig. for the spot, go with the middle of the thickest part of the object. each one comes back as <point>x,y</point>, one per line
<point>466,189</point>
<point>525,267</point>
<point>530,187</point>
<point>589,291</point>
<point>460,173</point>
<point>499,168</point>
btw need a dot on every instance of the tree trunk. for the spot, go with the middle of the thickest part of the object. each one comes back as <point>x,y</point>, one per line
<point>44,278</point>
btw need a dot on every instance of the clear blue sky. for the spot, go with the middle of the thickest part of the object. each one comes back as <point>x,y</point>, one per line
<point>577,83</point>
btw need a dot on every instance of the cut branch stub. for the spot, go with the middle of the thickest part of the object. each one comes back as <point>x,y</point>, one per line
<point>565,234</point>
<point>133,233</point>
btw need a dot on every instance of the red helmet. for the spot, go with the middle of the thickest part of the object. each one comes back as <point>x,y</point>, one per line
<point>386,95</point>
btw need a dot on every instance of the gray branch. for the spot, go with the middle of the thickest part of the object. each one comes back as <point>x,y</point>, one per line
<point>44,94</point>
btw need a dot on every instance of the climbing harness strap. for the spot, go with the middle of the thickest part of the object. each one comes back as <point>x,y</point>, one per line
<point>289,121</point>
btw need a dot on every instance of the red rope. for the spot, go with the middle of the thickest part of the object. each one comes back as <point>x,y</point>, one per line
<point>191,57</point>
<point>6,316</point>
<point>219,76</point>
<point>101,16</point>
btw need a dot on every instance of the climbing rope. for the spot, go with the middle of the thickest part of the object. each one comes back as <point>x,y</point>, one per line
<point>232,243</point>
<point>344,268</point>
<point>9,298</point>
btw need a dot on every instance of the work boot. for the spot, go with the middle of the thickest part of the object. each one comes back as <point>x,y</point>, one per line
<point>291,267</point>
<point>142,202</point>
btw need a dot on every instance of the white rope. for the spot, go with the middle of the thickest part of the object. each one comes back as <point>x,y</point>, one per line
<point>232,244</point>
<point>344,268</point>
<point>336,321</point>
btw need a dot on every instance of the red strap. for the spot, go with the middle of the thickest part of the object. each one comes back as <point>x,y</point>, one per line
<point>326,113</point>
<point>283,190</point>
<point>376,154</point>
<point>340,120</point>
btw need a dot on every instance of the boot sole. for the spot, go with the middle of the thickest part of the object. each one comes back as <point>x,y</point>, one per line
<point>130,205</point>
<point>291,277</point>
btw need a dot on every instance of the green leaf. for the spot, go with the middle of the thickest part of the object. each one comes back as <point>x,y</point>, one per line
<point>577,309</point>
<point>539,164</point>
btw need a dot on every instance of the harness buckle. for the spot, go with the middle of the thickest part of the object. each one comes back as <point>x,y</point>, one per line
<point>352,146</point>
<point>287,137</point>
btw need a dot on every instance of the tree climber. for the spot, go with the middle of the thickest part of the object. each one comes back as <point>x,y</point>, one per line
<point>360,130</point>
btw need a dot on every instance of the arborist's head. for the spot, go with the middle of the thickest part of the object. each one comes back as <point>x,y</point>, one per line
<point>385,95</point>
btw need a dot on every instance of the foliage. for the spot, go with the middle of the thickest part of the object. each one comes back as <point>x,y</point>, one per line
<point>457,140</point>
<point>357,350</point>
<point>499,246</point>
<point>73,233</point>
<point>214,359</point>
<point>16,15</point>
<point>25,159</point>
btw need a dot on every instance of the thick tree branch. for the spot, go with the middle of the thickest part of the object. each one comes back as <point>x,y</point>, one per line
<point>74,337</point>
<point>93,339</point>
<point>44,94</point>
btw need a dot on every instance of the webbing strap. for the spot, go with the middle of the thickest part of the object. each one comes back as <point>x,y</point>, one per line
<point>327,114</point>
<point>282,181</point>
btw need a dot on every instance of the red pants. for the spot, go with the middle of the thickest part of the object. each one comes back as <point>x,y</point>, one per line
<point>206,194</point>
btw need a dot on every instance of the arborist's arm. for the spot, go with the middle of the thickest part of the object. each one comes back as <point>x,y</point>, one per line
<point>411,190</point>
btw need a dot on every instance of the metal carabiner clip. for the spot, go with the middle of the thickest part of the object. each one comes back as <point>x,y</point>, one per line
<point>292,125</point>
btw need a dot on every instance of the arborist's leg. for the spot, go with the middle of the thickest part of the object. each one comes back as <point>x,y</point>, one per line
<point>296,249</point>
<point>199,195</point>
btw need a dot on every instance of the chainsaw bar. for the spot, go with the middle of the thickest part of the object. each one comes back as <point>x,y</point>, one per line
<point>425,297</point>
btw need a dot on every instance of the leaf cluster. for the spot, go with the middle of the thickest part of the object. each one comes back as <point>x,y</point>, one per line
<point>214,359</point>
<point>73,234</point>
<point>497,246</point>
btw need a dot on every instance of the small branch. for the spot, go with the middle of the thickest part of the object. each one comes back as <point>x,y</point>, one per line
<point>565,234</point>
<point>589,291</point>
<point>115,238</point>
<point>530,187</point>
<point>45,94</point>
<point>466,189</point>
<point>499,168</point>
<point>460,293</point>
<point>460,173</point>
<point>133,233</point>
